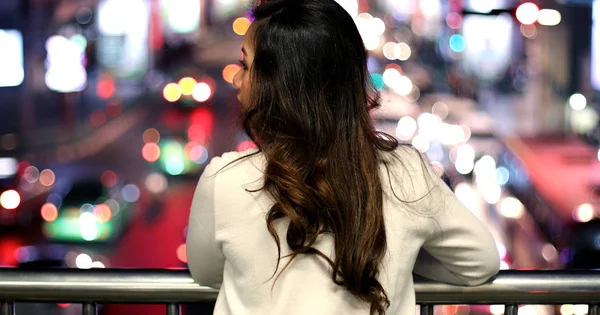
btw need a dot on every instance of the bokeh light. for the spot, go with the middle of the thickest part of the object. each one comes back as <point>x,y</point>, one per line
<point>156,183</point>
<point>241,25</point>
<point>49,212</point>
<point>186,85</point>
<point>151,135</point>
<point>109,179</point>
<point>47,177</point>
<point>103,213</point>
<point>87,227</point>
<point>527,13</point>
<point>584,213</point>
<point>201,92</point>
<point>172,92</point>
<point>10,199</point>
<point>182,253</point>
<point>511,207</point>
<point>230,71</point>
<point>549,17</point>
<point>245,145</point>
<point>577,101</point>
<point>151,152</point>
<point>131,193</point>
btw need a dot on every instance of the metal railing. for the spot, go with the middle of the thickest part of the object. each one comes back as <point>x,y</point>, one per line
<point>175,287</point>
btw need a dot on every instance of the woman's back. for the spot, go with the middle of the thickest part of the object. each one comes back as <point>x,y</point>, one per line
<point>229,245</point>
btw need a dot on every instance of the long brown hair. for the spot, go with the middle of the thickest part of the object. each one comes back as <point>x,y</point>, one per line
<point>309,115</point>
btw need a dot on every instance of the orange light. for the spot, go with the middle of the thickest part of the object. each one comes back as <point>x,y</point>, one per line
<point>151,152</point>
<point>181,253</point>
<point>49,212</point>
<point>230,71</point>
<point>10,199</point>
<point>47,177</point>
<point>103,213</point>
<point>151,135</point>
<point>187,85</point>
<point>241,25</point>
<point>172,92</point>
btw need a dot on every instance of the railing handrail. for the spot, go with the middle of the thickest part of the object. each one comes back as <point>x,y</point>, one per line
<point>161,286</point>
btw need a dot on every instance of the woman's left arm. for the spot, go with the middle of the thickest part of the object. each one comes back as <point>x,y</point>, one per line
<point>204,253</point>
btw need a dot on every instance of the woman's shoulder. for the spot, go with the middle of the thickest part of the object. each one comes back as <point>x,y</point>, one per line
<point>233,160</point>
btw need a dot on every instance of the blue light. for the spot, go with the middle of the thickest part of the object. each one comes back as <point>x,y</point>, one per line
<point>377,80</point>
<point>457,43</point>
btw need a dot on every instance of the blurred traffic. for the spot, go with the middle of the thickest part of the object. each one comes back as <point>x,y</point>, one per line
<point>110,109</point>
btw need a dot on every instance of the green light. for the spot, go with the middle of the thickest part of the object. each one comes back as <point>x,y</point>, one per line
<point>67,227</point>
<point>174,165</point>
<point>377,80</point>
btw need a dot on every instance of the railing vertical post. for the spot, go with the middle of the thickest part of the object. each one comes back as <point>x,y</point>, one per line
<point>511,309</point>
<point>89,309</point>
<point>594,309</point>
<point>173,309</point>
<point>7,308</point>
<point>426,309</point>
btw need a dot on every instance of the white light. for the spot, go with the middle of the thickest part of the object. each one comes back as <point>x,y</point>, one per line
<point>421,143</point>
<point>428,125</point>
<point>465,151</point>
<point>497,309</point>
<point>12,72</point>
<point>467,195</point>
<point>549,17</point>
<point>463,166</point>
<point>182,16</point>
<point>511,207</point>
<point>8,167</point>
<point>580,309</point>
<point>10,199</point>
<point>584,213</point>
<point>65,65</point>
<point>403,86</point>
<point>83,261</point>
<point>407,126</point>
<point>156,183</point>
<point>87,226</point>
<point>391,76</point>
<point>440,109</point>
<point>377,26</point>
<point>504,265</point>
<point>97,264</point>
<point>566,309</point>
<point>501,250</point>
<point>201,92</point>
<point>527,310</point>
<point>371,42</point>
<point>492,193</point>
<point>388,50</point>
<point>598,154</point>
<point>577,101</point>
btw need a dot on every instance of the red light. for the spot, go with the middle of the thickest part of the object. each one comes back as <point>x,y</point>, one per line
<point>97,118</point>
<point>63,305</point>
<point>108,178</point>
<point>527,13</point>
<point>203,117</point>
<point>105,88</point>
<point>181,253</point>
<point>245,145</point>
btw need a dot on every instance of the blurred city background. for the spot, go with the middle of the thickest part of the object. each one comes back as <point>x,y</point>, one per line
<point>109,110</point>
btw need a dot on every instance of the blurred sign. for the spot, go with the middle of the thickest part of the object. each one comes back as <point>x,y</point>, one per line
<point>11,58</point>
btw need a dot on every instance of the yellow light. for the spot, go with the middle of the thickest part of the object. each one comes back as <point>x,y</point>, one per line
<point>187,84</point>
<point>584,213</point>
<point>241,25</point>
<point>172,92</point>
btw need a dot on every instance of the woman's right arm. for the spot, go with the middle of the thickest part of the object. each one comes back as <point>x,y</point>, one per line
<point>459,250</point>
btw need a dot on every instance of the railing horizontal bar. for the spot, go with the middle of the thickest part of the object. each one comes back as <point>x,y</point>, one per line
<point>176,286</point>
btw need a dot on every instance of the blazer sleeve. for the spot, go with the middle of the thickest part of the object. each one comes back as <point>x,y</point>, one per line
<point>459,248</point>
<point>204,252</point>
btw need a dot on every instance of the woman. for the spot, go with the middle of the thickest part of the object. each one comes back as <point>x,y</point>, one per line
<point>329,215</point>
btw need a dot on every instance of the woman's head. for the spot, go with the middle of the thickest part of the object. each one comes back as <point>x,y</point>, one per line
<point>306,74</point>
<point>306,94</point>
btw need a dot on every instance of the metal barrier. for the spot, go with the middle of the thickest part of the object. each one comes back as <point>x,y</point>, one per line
<point>175,287</point>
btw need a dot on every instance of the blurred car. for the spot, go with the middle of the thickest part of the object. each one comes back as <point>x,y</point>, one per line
<point>89,212</point>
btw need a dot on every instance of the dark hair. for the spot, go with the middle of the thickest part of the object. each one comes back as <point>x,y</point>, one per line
<point>311,94</point>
